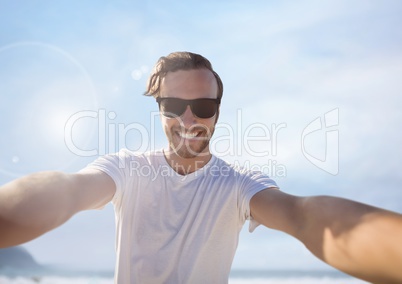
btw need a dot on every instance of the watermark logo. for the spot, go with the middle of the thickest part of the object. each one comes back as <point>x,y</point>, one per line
<point>256,140</point>
<point>112,136</point>
<point>330,162</point>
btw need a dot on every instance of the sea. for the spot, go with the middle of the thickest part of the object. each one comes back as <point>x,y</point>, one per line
<point>236,277</point>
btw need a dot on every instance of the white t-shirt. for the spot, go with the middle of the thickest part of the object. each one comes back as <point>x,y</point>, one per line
<point>177,229</point>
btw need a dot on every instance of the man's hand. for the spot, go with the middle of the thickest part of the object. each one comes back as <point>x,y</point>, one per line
<point>32,205</point>
<point>359,239</point>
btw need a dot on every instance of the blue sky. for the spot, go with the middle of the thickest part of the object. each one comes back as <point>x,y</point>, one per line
<point>284,65</point>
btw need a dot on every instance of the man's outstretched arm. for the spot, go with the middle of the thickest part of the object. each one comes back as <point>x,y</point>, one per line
<point>359,239</point>
<point>33,205</point>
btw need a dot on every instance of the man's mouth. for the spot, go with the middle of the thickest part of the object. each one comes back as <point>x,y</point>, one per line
<point>189,135</point>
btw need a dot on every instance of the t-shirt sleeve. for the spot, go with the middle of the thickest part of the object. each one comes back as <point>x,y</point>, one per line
<point>252,183</point>
<point>115,166</point>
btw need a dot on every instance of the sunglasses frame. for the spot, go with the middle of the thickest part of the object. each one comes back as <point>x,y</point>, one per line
<point>190,103</point>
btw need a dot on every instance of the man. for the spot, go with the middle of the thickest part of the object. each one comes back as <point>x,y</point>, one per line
<point>180,222</point>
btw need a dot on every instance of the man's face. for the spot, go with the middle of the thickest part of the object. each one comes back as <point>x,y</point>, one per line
<point>188,135</point>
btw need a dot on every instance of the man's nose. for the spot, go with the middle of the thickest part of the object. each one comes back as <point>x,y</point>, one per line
<point>188,117</point>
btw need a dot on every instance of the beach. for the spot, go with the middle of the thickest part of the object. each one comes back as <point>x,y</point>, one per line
<point>84,280</point>
<point>236,277</point>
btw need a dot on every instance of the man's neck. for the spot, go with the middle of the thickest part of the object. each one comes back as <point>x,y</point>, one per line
<point>185,166</point>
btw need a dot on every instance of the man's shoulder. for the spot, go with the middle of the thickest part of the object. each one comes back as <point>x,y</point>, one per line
<point>126,157</point>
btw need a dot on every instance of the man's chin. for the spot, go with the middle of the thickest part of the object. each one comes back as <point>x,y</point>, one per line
<point>186,154</point>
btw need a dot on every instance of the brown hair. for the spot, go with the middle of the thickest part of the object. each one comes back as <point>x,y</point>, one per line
<point>178,61</point>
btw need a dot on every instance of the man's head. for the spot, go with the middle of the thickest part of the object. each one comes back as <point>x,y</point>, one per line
<point>188,91</point>
<point>178,61</point>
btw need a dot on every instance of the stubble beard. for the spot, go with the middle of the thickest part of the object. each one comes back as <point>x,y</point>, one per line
<point>184,150</point>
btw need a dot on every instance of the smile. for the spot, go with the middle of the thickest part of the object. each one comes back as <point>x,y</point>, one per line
<point>188,135</point>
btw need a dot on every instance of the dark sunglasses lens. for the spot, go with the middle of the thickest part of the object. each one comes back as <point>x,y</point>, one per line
<point>204,108</point>
<point>172,107</point>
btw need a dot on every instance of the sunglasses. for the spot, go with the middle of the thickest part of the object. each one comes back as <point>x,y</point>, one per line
<point>201,108</point>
